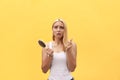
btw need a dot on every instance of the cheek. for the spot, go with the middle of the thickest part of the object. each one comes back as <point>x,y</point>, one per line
<point>54,32</point>
<point>62,32</point>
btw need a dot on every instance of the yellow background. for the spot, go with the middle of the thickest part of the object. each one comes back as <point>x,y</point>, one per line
<point>93,24</point>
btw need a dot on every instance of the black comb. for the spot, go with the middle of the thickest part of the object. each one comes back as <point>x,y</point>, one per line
<point>41,43</point>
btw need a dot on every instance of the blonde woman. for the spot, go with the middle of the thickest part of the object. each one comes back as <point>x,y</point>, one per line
<point>60,54</point>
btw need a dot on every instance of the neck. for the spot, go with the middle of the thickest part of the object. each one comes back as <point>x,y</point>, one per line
<point>58,41</point>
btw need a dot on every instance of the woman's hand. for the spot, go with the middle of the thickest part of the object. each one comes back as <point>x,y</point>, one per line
<point>68,46</point>
<point>49,52</point>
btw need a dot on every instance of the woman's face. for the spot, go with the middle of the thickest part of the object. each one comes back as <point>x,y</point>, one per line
<point>58,29</point>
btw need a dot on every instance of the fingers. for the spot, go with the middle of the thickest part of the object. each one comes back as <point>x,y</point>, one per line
<point>68,47</point>
<point>69,44</point>
<point>49,51</point>
<point>71,40</point>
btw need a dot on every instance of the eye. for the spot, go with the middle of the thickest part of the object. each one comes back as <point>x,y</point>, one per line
<point>55,27</point>
<point>61,27</point>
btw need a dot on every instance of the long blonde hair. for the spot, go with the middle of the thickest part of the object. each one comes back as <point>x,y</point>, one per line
<point>65,36</point>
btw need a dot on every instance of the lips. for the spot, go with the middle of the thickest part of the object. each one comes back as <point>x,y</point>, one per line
<point>58,33</point>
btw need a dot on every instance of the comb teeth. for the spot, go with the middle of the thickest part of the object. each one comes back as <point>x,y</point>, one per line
<point>41,43</point>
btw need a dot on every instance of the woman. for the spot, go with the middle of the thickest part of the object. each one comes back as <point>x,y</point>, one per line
<point>60,54</point>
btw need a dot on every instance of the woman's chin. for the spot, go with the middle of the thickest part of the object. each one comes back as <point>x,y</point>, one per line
<point>59,37</point>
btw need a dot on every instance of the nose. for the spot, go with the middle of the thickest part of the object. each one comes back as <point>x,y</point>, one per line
<point>58,29</point>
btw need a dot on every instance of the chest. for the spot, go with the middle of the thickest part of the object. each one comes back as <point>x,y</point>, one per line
<point>58,48</point>
<point>59,58</point>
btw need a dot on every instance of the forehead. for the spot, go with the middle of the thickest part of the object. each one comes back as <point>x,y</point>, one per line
<point>58,23</point>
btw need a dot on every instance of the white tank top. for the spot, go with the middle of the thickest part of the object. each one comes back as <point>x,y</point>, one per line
<point>59,70</point>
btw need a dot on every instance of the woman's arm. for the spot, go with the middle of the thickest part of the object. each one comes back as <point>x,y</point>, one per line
<point>47,56</point>
<point>71,56</point>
